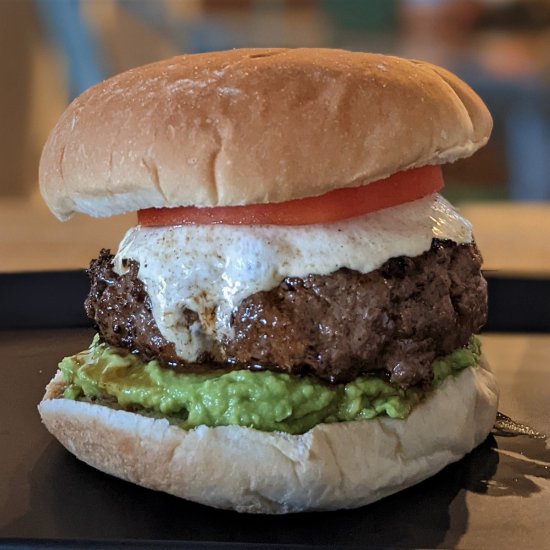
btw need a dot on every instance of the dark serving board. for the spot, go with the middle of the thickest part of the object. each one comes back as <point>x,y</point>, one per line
<point>48,499</point>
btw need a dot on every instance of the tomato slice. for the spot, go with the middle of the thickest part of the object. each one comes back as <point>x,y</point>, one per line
<point>339,204</point>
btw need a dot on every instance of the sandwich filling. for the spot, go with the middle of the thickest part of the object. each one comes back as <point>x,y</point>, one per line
<point>210,269</point>
<point>395,320</point>
<point>265,400</point>
<point>280,328</point>
<point>388,292</point>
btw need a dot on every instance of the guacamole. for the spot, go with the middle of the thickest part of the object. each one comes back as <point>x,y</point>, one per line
<point>263,400</point>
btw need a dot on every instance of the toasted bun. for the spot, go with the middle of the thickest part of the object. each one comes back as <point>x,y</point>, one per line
<point>332,466</point>
<point>254,126</point>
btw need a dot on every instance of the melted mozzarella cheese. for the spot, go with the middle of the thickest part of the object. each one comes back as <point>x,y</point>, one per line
<point>210,269</point>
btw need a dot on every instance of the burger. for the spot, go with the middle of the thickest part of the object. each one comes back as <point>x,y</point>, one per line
<point>291,324</point>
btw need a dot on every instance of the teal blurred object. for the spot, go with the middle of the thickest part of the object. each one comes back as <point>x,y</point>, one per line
<point>355,15</point>
<point>69,30</point>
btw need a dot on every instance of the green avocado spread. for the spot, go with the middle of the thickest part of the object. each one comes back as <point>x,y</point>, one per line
<point>263,400</point>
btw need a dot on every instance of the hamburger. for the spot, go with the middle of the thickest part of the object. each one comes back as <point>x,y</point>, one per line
<point>291,324</point>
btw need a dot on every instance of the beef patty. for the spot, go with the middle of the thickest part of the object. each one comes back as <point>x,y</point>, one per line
<point>395,320</point>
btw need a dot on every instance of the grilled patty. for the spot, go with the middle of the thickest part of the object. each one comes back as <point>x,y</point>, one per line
<point>393,321</point>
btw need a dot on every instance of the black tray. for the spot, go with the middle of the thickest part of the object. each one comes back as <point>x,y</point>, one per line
<point>50,499</point>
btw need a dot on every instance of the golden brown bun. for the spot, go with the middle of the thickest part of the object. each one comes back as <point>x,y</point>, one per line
<point>332,466</point>
<point>254,126</point>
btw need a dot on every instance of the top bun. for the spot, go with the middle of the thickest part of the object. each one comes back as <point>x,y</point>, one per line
<point>254,126</point>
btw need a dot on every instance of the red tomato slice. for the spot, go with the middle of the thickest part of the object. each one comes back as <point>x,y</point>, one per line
<point>339,204</point>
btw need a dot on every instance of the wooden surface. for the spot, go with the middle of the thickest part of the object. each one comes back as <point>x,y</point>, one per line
<point>32,239</point>
<point>514,238</point>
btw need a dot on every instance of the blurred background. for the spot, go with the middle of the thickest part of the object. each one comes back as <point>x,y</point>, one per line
<point>52,50</point>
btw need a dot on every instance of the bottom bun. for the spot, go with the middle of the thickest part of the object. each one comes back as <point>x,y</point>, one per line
<point>341,465</point>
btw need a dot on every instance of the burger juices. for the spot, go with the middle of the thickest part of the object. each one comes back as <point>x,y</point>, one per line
<point>293,271</point>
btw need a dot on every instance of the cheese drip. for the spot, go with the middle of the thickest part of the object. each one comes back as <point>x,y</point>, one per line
<point>210,269</point>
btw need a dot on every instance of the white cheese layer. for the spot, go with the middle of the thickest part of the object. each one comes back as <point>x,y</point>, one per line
<point>210,269</point>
